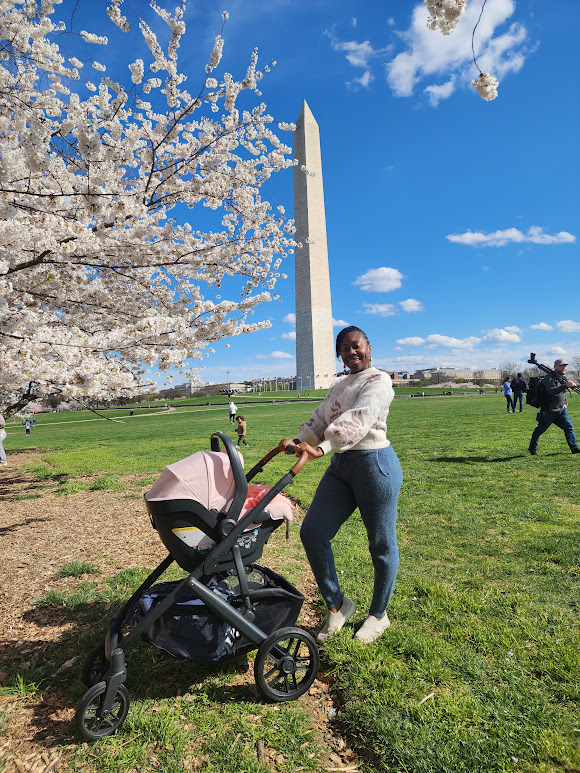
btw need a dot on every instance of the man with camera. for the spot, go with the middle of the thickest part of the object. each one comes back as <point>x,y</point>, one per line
<point>554,409</point>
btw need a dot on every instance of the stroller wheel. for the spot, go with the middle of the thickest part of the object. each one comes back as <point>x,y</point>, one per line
<point>89,717</point>
<point>286,664</point>
<point>95,666</point>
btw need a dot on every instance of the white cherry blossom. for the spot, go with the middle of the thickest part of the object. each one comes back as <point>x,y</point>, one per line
<point>101,278</point>
<point>444,14</point>
<point>486,86</point>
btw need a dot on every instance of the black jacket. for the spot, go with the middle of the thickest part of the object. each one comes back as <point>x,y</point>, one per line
<point>519,386</point>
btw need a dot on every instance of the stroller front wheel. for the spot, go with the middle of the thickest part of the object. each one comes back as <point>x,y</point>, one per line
<point>90,718</point>
<point>286,664</point>
<point>95,666</point>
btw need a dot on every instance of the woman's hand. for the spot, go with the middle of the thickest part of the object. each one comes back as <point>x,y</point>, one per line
<point>313,453</point>
<point>282,445</point>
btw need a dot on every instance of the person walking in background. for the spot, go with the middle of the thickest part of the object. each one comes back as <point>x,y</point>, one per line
<point>507,390</point>
<point>233,408</point>
<point>554,408</point>
<point>241,430</point>
<point>519,388</point>
<point>27,426</point>
<point>2,439</point>
<point>364,472</point>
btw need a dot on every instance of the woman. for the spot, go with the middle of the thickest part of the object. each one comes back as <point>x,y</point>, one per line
<point>507,391</point>
<point>364,472</point>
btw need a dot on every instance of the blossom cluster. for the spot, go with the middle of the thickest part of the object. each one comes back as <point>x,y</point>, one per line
<point>444,14</point>
<point>486,86</point>
<point>99,280</point>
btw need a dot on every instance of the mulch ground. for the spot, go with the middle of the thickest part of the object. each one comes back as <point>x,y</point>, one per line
<point>37,537</point>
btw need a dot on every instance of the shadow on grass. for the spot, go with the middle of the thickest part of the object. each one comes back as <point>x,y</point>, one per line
<point>479,459</point>
<point>43,676</point>
<point>14,485</point>
<point>20,524</point>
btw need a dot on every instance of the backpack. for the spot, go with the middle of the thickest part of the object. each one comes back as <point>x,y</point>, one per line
<point>536,396</point>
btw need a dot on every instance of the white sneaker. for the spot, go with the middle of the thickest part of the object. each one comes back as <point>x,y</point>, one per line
<point>372,628</point>
<point>335,620</point>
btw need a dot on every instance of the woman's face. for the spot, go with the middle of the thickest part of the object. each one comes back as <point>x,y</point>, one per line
<point>355,352</point>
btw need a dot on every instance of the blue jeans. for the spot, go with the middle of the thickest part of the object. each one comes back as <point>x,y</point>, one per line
<point>518,396</point>
<point>560,419</point>
<point>511,406</point>
<point>371,481</point>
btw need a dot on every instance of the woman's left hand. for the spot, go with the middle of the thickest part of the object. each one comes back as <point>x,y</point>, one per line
<point>313,453</point>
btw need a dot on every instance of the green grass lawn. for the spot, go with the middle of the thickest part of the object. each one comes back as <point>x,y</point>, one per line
<point>480,670</point>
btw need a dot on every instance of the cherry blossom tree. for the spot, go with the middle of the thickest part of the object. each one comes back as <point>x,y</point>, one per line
<point>104,269</point>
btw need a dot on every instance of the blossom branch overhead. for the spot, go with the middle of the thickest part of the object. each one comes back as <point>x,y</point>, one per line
<point>101,276</point>
<point>444,16</point>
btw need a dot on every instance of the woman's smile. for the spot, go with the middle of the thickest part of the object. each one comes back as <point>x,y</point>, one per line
<point>355,352</point>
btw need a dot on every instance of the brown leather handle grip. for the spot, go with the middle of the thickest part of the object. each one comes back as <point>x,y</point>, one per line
<point>301,462</point>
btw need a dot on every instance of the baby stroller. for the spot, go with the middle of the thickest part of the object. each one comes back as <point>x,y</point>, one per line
<point>228,604</point>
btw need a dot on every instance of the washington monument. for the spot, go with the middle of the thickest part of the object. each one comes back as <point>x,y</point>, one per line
<point>315,361</point>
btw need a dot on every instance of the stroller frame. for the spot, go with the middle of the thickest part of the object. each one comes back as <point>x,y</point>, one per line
<point>287,660</point>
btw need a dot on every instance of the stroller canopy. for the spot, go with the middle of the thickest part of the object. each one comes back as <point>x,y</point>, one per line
<point>207,477</point>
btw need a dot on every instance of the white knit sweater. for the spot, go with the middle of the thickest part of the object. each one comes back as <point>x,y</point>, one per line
<point>353,415</point>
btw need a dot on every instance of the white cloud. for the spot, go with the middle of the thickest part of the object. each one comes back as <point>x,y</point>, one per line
<point>364,80</point>
<point>411,341</point>
<point>290,319</point>
<point>557,350</point>
<point>501,336</point>
<point>513,329</point>
<point>434,57</point>
<point>289,336</point>
<point>541,326</point>
<point>339,323</point>
<point>450,342</point>
<point>443,91</point>
<point>380,309</point>
<point>568,326</point>
<point>380,280</point>
<point>354,21</point>
<point>535,234</point>
<point>358,54</point>
<point>411,305</point>
<point>275,355</point>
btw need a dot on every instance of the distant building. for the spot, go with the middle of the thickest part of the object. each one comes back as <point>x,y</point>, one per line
<point>183,390</point>
<point>452,374</point>
<point>404,376</point>
<point>237,388</point>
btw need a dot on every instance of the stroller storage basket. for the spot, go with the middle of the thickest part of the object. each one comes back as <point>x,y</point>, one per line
<point>191,631</point>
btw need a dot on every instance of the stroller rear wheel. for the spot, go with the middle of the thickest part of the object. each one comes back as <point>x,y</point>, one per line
<point>90,720</point>
<point>286,664</point>
<point>95,666</point>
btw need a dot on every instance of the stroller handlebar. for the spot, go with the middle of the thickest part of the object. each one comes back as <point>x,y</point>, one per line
<point>288,450</point>
<point>301,461</point>
<point>259,467</point>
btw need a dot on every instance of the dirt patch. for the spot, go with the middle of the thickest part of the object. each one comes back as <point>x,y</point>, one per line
<point>40,532</point>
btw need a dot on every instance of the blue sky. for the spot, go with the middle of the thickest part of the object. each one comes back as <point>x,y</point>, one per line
<point>452,222</point>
